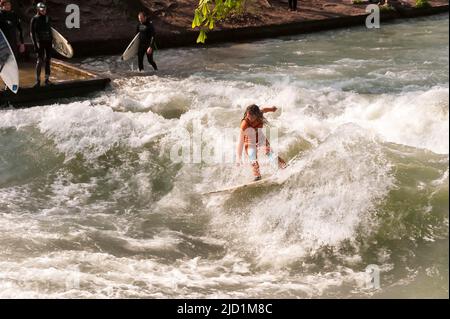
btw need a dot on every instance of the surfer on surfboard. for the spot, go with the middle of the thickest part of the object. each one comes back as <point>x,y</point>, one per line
<point>146,41</point>
<point>251,136</point>
<point>41,35</point>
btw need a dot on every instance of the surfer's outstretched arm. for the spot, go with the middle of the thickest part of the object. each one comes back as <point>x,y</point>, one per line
<point>269,109</point>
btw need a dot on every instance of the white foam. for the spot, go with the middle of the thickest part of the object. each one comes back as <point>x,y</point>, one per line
<point>81,128</point>
<point>58,275</point>
<point>419,119</point>
<point>330,193</point>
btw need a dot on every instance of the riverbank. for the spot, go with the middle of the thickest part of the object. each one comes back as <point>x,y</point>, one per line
<point>68,81</point>
<point>108,26</point>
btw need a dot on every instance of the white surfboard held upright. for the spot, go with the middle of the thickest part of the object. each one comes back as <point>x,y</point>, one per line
<point>132,49</point>
<point>9,70</point>
<point>61,45</point>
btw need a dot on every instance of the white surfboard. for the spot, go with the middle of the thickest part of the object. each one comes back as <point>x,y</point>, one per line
<point>132,49</point>
<point>264,182</point>
<point>272,180</point>
<point>61,45</point>
<point>9,71</point>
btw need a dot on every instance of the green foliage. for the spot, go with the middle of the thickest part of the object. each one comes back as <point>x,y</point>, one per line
<point>358,1</point>
<point>422,4</point>
<point>209,12</point>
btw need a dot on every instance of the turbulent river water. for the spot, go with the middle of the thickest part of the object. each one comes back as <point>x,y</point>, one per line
<point>95,202</point>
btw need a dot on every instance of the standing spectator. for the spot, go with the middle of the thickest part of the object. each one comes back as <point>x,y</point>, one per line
<point>292,5</point>
<point>146,41</point>
<point>10,24</point>
<point>41,35</point>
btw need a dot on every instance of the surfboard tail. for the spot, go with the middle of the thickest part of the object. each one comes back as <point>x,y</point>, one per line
<point>9,71</point>
<point>61,45</point>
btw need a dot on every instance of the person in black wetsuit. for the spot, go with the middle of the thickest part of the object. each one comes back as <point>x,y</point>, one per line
<point>146,41</point>
<point>10,24</point>
<point>42,38</point>
<point>293,5</point>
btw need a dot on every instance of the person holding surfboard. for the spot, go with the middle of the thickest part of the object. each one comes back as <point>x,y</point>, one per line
<point>146,33</point>
<point>42,38</point>
<point>251,135</point>
<point>11,26</point>
<point>9,71</point>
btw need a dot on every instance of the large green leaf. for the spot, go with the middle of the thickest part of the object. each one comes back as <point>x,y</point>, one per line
<point>201,37</point>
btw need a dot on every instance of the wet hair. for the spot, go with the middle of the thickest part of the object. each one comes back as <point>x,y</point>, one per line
<point>255,111</point>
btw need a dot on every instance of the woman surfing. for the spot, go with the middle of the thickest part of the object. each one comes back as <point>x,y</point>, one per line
<point>251,138</point>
